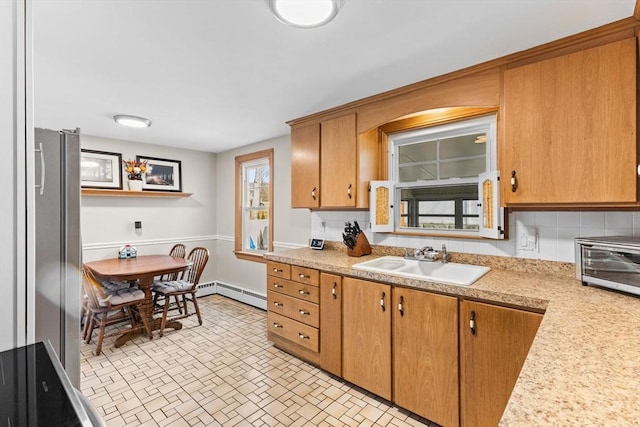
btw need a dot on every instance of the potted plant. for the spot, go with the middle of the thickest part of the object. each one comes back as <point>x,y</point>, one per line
<point>135,170</point>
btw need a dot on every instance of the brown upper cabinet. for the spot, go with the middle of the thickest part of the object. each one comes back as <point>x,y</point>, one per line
<point>567,126</point>
<point>338,165</point>
<point>331,165</point>
<point>570,128</point>
<point>305,170</point>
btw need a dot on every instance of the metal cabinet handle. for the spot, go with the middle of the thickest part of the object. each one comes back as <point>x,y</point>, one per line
<point>304,313</point>
<point>278,304</point>
<point>277,325</point>
<point>333,291</point>
<point>514,181</point>
<point>278,285</point>
<point>277,270</point>
<point>313,193</point>
<point>302,276</point>
<point>400,309</point>
<point>349,191</point>
<point>472,323</point>
<point>303,336</point>
<point>303,292</point>
<point>42,172</point>
<point>382,302</point>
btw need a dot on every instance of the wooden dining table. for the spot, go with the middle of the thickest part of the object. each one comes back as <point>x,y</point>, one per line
<point>142,269</point>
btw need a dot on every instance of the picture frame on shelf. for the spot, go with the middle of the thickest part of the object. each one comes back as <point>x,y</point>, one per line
<point>100,169</point>
<point>162,174</point>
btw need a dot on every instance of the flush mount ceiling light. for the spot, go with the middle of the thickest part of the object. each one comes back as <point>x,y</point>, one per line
<point>132,121</point>
<point>305,13</point>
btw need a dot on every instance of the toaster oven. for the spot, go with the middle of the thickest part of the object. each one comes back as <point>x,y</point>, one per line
<point>611,262</point>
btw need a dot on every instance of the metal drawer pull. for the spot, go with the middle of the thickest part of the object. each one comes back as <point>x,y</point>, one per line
<point>303,336</point>
<point>303,292</point>
<point>278,304</point>
<point>277,270</point>
<point>313,193</point>
<point>400,309</point>
<point>349,191</point>
<point>472,323</point>
<point>277,325</point>
<point>382,302</point>
<point>333,291</point>
<point>304,313</point>
<point>278,285</point>
<point>302,276</point>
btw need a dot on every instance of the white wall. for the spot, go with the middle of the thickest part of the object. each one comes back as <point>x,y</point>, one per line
<point>108,222</point>
<point>552,233</point>
<point>292,227</point>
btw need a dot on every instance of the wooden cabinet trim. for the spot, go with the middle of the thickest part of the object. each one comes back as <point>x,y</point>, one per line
<point>623,28</point>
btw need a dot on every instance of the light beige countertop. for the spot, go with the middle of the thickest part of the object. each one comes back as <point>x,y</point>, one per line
<point>583,368</point>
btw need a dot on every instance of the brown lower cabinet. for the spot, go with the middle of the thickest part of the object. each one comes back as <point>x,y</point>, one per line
<point>366,335</point>
<point>494,343</point>
<point>454,362</point>
<point>425,354</point>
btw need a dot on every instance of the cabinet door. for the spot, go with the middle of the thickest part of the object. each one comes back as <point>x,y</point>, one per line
<point>366,339</point>
<point>338,163</point>
<point>570,128</point>
<point>305,166</point>
<point>494,343</point>
<point>425,354</point>
<point>331,323</point>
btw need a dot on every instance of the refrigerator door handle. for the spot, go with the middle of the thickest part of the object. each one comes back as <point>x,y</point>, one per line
<point>42,174</point>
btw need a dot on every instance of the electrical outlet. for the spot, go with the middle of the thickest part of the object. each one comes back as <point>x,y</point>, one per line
<point>527,238</point>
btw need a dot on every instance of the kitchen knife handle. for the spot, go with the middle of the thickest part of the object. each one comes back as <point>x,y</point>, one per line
<point>313,193</point>
<point>349,191</point>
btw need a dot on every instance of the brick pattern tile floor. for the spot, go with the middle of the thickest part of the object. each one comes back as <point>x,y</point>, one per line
<point>223,373</point>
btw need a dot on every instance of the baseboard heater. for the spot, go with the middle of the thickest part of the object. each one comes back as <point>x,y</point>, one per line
<point>234,292</point>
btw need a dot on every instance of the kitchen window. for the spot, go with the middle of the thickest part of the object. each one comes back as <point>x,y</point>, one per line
<point>444,179</point>
<point>254,207</point>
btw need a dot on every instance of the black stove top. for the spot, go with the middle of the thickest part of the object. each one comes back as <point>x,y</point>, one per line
<point>35,391</point>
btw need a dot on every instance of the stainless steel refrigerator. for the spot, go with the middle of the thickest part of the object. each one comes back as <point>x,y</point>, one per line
<point>58,248</point>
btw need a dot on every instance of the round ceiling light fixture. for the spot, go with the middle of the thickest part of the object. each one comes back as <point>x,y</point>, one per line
<point>132,121</point>
<point>305,13</point>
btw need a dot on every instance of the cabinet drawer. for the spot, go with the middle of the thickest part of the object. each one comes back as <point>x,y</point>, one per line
<point>294,308</point>
<point>293,331</point>
<point>294,289</point>
<point>279,269</point>
<point>305,275</point>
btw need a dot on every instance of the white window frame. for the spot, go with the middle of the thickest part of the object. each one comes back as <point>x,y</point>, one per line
<point>484,124</point>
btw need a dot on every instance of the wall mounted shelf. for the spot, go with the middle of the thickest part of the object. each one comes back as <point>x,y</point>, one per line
<point>125,193</point>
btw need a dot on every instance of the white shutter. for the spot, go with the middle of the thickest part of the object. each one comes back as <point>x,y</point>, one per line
<point>381,206</point>
<point>491,215</point>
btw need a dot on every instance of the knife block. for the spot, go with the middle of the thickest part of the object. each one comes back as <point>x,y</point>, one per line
<point>362,246</point>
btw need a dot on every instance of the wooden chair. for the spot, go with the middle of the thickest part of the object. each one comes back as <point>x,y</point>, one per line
<point>179,251</point>
<point>107,308</point>
<point>184,287</point>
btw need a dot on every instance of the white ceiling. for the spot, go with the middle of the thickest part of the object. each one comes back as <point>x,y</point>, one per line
<point>218,74</point>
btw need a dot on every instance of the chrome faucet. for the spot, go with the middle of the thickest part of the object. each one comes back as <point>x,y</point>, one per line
<point>427,253</point>
<point>443,254</point>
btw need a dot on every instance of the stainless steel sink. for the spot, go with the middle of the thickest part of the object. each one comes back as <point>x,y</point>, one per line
<point>451,272</point>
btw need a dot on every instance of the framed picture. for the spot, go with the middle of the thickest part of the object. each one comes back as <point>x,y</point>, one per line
<point>162,175</point>
<point>100,169</point>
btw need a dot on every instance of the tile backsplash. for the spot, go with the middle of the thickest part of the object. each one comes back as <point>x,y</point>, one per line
<point>535,235</point>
